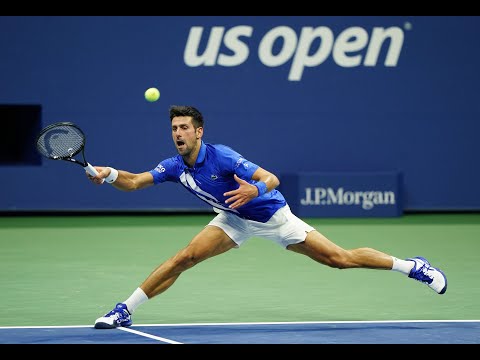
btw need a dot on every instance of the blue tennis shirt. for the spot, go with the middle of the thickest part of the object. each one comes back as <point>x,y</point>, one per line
<point>212,176</point>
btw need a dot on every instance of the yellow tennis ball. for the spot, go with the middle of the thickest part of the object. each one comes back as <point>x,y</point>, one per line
<point>152,94</point>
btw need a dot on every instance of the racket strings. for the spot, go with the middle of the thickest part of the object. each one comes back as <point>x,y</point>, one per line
<point>61,141</point>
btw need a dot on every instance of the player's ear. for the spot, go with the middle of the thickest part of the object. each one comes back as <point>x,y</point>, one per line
<point>199,132</point>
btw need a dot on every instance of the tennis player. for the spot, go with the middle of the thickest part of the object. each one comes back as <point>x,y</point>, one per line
<point>247,204</point>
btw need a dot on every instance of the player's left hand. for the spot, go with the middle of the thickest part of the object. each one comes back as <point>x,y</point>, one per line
<point>242,195</point>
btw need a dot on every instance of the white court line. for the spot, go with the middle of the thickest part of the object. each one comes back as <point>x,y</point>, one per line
<point>149,335</point>
<point>309,322</point>
<point>47,327</point>
<point>248,323</point>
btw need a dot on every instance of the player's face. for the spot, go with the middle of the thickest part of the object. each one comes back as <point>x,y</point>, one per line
<point>185,137</point>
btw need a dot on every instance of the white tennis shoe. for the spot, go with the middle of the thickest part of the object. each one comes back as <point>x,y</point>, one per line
<point>434,278</point>
<point>119,316</point>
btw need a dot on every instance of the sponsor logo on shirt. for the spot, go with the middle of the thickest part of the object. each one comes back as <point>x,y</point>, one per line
<point>239,161</point>
<point>160,169</point>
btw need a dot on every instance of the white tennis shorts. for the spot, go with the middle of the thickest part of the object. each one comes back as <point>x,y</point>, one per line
<point>284,227</point>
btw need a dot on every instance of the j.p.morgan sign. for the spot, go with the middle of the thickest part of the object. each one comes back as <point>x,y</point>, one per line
<point>344,194</point>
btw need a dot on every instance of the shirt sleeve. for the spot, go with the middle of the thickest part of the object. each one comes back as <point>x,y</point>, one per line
<point>237,164</point>
<point>166,170</point>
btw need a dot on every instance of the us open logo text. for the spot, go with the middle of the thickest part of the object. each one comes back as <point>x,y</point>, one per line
<point>352,47</point>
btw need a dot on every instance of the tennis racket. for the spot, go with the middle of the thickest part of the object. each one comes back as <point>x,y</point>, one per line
<point>62,141</point>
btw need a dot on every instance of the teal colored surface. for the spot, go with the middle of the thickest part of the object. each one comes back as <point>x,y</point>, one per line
<point>69,270</point>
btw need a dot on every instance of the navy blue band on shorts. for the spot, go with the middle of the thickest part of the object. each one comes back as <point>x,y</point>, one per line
<point>262,188</point>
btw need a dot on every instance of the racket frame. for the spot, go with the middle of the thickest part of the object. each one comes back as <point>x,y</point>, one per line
<point>87,166</point>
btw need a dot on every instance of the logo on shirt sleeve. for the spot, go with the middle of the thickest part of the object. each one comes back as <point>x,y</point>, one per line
<point>160,169</point>
<point>242,162</point>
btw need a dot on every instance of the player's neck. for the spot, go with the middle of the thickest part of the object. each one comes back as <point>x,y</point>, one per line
<point>191,158</point>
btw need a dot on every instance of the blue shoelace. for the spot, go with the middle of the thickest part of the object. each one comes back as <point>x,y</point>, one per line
<point>421,274</point>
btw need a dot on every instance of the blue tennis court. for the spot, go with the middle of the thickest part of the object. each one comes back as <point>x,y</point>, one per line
<point>335,332</point>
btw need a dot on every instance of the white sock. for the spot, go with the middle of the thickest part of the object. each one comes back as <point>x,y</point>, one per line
<point>135,300</point>
<point>403,266</point>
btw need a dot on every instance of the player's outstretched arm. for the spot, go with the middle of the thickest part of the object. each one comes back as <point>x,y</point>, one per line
<point>121,179</point>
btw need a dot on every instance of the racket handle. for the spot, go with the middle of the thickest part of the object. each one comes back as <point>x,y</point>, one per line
<point>92,171</point>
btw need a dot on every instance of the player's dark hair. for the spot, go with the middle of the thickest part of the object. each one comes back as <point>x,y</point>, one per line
<point>178,110</point>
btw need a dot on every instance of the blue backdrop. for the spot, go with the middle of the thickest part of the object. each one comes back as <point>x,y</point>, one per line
<point>293,94</point>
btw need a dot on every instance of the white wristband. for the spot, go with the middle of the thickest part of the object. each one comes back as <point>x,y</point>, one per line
<point>113,175</point>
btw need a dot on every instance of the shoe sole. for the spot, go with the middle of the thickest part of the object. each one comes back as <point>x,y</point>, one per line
<point>445,287</point>
<point>102,325</point>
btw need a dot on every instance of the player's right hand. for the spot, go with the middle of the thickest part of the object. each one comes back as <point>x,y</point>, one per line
<point>103,172</point>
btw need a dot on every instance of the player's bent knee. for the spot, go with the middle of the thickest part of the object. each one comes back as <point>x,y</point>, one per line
<point>338,261</point>
<point>185,260</point>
